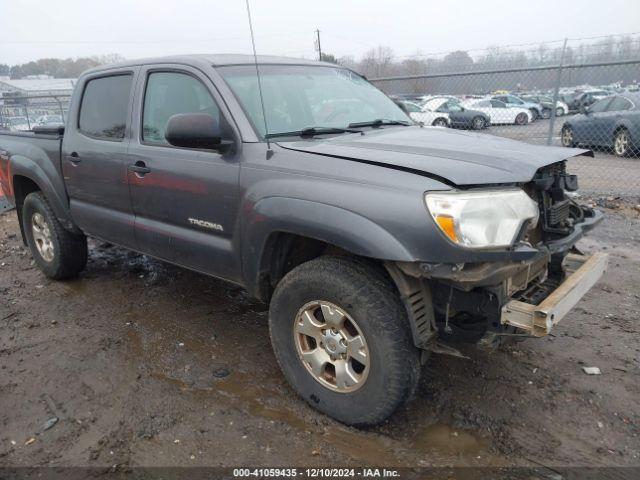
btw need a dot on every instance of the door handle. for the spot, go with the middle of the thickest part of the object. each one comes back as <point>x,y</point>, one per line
<point>139,168</point>
<point>74,157</point>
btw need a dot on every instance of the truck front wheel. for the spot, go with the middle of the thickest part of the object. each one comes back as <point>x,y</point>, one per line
<point>58,253</point>
<point>341,336</point>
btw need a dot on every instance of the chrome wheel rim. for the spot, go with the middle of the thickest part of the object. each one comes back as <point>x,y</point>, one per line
<point>42,237</point>
<point>478,123</point>
<point>622,143</point>
<point>567,137</point>
<point>331,346</point>
<point>521,118</point>
<point>559,112</point>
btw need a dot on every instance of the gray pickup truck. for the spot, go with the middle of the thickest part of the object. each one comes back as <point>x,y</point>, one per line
<point>374,240</point>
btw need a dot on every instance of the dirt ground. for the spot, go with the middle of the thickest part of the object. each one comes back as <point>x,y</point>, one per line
<point>147,364</point>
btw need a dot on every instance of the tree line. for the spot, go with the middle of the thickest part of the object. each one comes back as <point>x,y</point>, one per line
<point>382,62</point>
<point>57,67</point>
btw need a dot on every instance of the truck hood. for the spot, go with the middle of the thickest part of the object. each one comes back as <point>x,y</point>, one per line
<point>458,158</point>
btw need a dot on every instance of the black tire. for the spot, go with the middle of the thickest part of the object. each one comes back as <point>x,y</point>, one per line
<point>69,251</point>
<point>566,136</point>
<point>478,123</point>
<point>534,114</point>
<point>440,122</point>
<point>546,113</point>
<point>522,119</point>
<point>371,300</point>
<point>559,112</point>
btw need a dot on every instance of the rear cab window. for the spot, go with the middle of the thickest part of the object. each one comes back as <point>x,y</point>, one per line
<point>104,107</point>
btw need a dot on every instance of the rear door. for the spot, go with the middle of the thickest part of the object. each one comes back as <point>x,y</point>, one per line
<point>610,118</point>
<point>186,206</point>
<point>94,157</point>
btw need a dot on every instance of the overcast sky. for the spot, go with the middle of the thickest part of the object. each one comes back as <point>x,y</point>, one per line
<point>138,28</point>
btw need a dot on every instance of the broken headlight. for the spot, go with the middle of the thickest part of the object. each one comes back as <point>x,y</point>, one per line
<point>482,218</point>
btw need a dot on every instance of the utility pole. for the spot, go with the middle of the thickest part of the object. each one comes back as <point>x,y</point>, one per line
<point>319,47</point>
<point>556,90</point>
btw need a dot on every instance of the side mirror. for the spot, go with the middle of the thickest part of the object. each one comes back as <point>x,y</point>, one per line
<point>195,130</point>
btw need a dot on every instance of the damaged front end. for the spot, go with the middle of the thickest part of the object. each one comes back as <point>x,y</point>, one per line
<point>483,302</point>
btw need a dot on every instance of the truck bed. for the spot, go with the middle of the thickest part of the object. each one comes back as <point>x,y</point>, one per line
<point>42,146</point>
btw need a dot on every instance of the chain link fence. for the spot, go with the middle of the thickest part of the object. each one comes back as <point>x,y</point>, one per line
<point>585,96</point>
<point>24,112</point>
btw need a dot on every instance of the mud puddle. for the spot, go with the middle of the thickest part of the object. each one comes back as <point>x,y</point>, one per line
<point>190,363</point>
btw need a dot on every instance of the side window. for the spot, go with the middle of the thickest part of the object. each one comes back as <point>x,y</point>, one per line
<point>412,107</point>
<point>170,93</point>
<point>105,101</point>
<point>497,104</point>
<point>618,104</point>
<point>600,105</point>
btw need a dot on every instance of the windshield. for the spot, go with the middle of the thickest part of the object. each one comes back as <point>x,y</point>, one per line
<point>297,97</point>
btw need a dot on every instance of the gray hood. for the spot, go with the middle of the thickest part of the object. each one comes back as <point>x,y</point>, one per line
<point>461,158</point>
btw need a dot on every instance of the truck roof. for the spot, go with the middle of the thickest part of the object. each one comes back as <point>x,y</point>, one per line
<point>215,60</point>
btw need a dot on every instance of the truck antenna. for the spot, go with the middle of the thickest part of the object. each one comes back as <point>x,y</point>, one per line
<point>255,61</point>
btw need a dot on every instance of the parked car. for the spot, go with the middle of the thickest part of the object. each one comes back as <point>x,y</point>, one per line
<point>513,101</point>
<point>49,120</point>
<point>612,122</point>
<point>499,113</point>
<point>371,239</point>
<point>407,97</point>
<point>459,116</point>
<point>18,123</point>
<point>426,115</point>
<point>546,102</point>
<point>585,99</point>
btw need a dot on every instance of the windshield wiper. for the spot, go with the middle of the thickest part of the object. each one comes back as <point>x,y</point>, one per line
<point>379,122</point>
<point>311,131</point>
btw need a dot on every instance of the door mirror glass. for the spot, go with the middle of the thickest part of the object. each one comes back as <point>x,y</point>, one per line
<point>195,130</point>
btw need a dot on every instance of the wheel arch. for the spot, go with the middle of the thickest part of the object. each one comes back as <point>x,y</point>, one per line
<point>28,176</point>
<point>284,232</point>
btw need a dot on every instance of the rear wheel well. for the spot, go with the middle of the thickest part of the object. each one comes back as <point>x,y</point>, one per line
<point>22,186</point>
<point>619,128</point>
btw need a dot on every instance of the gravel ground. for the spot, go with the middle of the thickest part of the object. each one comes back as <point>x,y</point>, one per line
<point>147,364</point>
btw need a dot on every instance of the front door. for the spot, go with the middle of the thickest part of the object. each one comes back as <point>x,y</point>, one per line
<point>587,129</point>
<point>94,157</point>
<point>185,201</point>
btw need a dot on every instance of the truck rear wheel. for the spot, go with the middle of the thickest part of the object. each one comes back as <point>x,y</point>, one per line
<point>341,336</point>
<point>58,253</point>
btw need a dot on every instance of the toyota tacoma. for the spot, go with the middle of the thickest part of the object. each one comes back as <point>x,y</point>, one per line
<point>373,240</point>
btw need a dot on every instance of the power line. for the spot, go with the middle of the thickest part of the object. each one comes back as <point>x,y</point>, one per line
<point>516,45</point>
<point>136,41</point>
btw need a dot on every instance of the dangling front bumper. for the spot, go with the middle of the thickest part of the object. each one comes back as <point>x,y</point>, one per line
<point>538,320</point>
